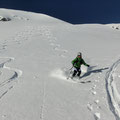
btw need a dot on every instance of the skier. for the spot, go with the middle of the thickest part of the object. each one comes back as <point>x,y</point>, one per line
<point>77,62</point>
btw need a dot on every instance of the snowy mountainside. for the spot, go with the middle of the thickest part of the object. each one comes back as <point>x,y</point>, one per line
<point>35,49</point>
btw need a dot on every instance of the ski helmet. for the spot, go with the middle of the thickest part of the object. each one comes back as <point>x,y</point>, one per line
<point>79,54</point>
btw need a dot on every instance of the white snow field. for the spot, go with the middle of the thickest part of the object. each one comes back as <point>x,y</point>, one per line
<point>36,51</point>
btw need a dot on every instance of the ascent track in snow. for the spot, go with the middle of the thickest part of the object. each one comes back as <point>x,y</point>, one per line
<point>113,95</point>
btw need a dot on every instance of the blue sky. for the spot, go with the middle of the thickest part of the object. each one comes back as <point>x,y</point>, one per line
<point>72,11</point>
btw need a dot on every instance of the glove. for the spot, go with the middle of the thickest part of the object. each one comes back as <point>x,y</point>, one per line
<point>88,65</point>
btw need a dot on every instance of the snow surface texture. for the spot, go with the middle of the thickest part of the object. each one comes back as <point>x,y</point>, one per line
<point>36,51</point>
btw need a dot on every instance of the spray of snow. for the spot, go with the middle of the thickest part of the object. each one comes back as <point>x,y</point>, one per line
<point>63,73</point>
<point>58,73</point>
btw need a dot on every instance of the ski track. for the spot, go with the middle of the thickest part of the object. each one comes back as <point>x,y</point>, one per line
<point>21,37</point>
<point>8,84</point>
<point>113,95</point>
<point>43,102</point>
<point>18,38</point>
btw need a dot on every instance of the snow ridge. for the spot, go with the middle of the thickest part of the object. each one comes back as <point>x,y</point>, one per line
<point>113,95</point>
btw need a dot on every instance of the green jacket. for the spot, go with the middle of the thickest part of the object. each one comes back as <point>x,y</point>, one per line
<point>77,62</point>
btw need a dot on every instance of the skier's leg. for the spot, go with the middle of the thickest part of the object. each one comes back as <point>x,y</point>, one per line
<point>74,73</point>
<point>79,72</point>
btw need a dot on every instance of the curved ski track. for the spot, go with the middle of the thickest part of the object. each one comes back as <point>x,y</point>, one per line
<point>7,84</point>
<point>113,95</point>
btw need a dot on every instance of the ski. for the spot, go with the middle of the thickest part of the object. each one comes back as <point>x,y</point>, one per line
<point>78,80</point>
<point>85,81</point>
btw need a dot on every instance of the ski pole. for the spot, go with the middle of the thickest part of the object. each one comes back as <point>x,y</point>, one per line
<point>71,68</point>
<point>70,72</point>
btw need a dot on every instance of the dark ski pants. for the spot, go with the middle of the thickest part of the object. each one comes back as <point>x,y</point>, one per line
<point>76,71</point>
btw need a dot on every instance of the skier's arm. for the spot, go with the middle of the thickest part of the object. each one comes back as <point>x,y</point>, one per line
<point>85,63</point>
<point>74,61</point>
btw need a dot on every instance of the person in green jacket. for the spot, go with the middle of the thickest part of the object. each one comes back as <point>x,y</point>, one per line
<point>77,62</point>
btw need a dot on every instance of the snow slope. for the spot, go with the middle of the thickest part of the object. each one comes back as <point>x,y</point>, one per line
<point>35,49</point>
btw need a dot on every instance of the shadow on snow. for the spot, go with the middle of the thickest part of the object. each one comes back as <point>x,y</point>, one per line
<point>91,71</point>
